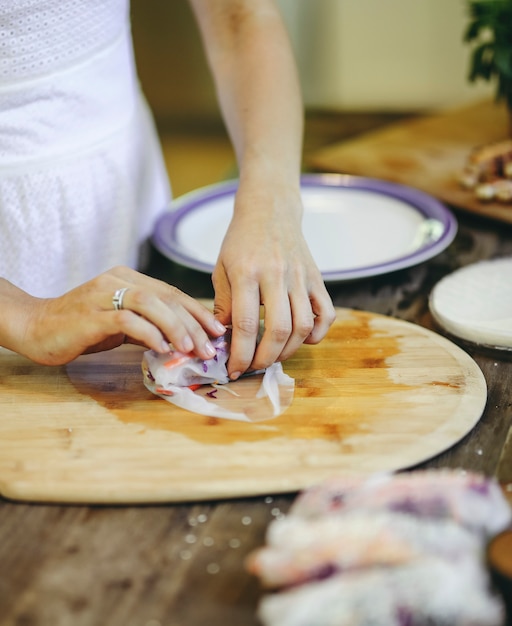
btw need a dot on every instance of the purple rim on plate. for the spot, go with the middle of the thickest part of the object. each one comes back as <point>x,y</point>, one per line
<point>165,233</point>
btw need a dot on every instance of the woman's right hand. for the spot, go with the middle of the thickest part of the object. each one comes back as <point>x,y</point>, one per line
<point>54,331</point>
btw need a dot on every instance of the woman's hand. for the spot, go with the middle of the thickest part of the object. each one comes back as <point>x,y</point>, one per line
<point>55,331</point>
<point>265,260</point>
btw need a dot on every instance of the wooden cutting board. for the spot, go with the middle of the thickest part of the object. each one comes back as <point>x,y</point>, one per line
<point>376,394</point>
<point>427,153</point>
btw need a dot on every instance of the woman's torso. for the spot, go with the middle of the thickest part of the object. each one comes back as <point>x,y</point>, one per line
<point>81,178</point>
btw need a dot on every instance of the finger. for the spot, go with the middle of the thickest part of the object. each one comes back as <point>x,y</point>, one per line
<point>325,314</point>
<point>223,298</point>
<point>245,327</point>
<point>303,322</point>
<point>105,330</point>
<point>201,315</point>
<point>170,295</point>
<point>277,328</point>
<point>134,327</point>
<point>173,322</point>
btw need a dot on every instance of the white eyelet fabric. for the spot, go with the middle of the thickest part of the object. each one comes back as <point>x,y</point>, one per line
<point>81,175</point>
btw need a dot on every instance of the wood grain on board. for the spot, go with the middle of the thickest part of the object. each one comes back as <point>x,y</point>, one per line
<point>377,394</point>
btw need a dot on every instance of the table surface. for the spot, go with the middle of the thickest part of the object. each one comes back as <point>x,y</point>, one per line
<point>183,565</point>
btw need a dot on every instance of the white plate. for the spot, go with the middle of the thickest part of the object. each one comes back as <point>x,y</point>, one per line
<point>475,303</point>
<point>355,227</point>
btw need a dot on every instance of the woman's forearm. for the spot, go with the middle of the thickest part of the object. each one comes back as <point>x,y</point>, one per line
<point>257,85</point>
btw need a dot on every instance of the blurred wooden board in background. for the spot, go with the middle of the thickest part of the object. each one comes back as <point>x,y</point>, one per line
<point>427,153</point>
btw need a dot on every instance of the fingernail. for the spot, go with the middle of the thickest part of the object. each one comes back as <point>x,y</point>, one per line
<point>220,327</point>
<point>210,349</point>
<point>235,375</point>
<point>165,347</point>
<point>187,344</point>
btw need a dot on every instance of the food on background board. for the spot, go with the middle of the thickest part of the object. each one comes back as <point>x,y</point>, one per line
<point>488,172</point>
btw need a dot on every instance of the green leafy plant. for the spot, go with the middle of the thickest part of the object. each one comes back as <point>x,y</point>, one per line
<point>490,34</point>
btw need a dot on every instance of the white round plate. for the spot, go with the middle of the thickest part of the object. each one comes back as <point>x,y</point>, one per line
<point>474,303</point>
<point>355,227</point>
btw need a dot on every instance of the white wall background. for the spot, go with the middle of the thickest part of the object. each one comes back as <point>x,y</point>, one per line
<point>382,54</point>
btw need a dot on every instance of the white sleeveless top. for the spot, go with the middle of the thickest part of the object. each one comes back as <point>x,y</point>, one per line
<point>81,174</point>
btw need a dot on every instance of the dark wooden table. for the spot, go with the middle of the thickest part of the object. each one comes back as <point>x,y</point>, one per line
<point>182,565</point>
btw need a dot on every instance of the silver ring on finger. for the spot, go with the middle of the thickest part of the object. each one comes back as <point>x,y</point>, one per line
<point>117,298</point>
